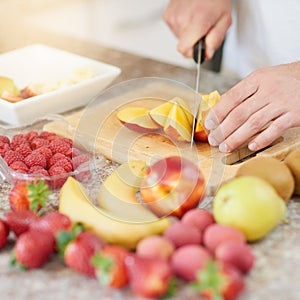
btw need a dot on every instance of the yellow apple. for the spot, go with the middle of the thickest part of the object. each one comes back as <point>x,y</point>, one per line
<point>250,204</point>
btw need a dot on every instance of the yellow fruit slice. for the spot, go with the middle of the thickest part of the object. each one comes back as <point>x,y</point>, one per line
<point>74,202</point>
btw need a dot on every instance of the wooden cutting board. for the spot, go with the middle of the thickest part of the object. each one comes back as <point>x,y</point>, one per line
<point>97,130</point>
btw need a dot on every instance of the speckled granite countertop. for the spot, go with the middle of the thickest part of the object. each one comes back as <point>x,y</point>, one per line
<point>277,270</point>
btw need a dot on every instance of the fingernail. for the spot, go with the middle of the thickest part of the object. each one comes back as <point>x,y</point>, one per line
<point>209,124</point>
<point>252,146</point>
<point>223,147</point>
<point>212,141</point>
<point>210,53</point>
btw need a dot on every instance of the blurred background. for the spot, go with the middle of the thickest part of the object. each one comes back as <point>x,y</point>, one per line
<point>134,26</point>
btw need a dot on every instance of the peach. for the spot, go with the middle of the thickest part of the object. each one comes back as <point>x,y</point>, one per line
<point>215,234</point>
<point>155,246</point>
<point>188,260</point>
<point>137,119</point>
<point>181,234</point>
<point>208,101</point>
<point>178,125</point>
<point>237,254</point>
<point>160,113</point>
<point>198,217</point>
<point>172,186</point>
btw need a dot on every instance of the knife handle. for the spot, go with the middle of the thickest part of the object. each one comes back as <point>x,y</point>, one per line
<point>196,50</point>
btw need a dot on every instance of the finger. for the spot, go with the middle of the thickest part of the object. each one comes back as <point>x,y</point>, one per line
<point>252,126</point>
<point>216,35</point>
<point>271,133</point>
<point>238,116</point>
<point>229,100</point>
<point>189,37</point>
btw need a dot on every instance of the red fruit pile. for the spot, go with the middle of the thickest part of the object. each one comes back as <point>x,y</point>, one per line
<point>44,155</point>
<point>212,258</point>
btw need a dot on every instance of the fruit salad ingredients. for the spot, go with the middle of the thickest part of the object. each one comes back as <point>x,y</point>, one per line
<point>250,204</point>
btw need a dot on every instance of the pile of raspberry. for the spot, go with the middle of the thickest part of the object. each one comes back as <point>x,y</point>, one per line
<point>43,154</point>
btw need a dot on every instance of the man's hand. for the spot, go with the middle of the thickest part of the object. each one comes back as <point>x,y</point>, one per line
<point>190,20</point>
<point>265,104</point>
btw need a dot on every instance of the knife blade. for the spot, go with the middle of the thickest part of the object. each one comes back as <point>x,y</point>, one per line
<point>199,56</point>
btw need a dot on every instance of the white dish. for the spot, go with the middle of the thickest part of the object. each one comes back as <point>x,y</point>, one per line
<point>42,64</point>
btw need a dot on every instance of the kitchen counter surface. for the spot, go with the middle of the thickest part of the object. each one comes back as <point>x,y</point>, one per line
<point>277,270</point>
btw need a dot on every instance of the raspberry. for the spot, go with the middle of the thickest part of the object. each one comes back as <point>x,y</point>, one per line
<point>79,160</point>
<point>59,146</point>
<point>11,156</point>
<point>38,143</point>
<point>17,140</point>
<point>24,149</point>
<point>4,147</point>
<point>68,141</point>
<point>4,139</point>
<point>30,135</point>
<point>48,135</point>
<point>75,152</point>
<point>44,150</point>
<point>65,163</point>
<point>35,159</point>
<point>19,166</point>
<point>55,158</point>
<point>38,170</point>
<point>60,180</point>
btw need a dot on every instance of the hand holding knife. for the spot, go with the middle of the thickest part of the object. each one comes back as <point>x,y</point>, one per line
<point>199,56</point>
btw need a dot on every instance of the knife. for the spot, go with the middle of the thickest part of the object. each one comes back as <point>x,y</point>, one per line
<point>199,56</point>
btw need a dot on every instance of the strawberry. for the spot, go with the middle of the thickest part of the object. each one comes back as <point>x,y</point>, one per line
<point>148,277</point>
<point>110,266</point>
<point>25,196</point>
<point>4,231</point>
<point>19,221</point>
<point>33,249</point>
<point>77,249</point>
<point>52,222</point>
<point>219,281</point>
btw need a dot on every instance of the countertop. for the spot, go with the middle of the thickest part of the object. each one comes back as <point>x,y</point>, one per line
<point>277,269</point>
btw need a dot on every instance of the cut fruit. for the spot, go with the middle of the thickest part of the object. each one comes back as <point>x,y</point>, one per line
<point>160,113</point>
<point>74,202</point>
<point>178,125</point>
<point>118,193</point>
<point>8,85</point>
<point>137,119</point>
<point>208,101</point>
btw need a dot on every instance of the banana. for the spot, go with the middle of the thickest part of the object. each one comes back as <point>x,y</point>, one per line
<point>118,193</point>
<point>74,202</point>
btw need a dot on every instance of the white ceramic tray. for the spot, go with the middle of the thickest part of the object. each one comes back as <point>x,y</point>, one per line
<point>42,64</point>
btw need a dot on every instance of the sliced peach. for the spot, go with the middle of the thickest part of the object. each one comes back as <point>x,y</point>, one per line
<point>208,101</point>
<point>137,119</point>
<point>178,125</point>
<point>160,113</point>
